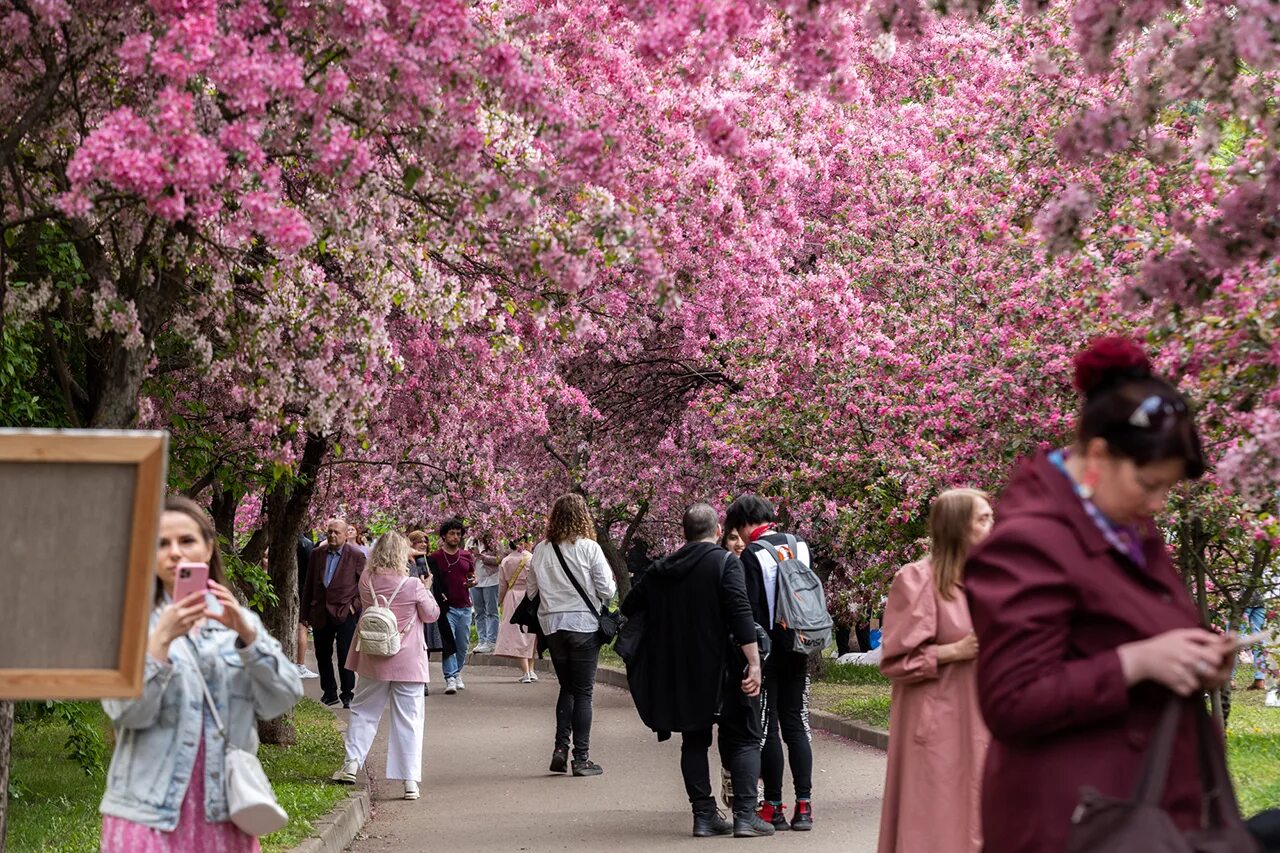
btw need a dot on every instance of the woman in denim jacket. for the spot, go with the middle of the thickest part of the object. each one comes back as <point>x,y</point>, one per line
<point>165,786</point>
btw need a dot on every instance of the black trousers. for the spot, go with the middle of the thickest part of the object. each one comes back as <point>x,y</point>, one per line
<point>574,655</point>
<point>740,723</point>
<point>786,689</point>
<point>342,633</point>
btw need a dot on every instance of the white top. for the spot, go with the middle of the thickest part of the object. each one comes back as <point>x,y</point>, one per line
<point>560,608</point>
<point>485,575</point>
<point>769,569</point>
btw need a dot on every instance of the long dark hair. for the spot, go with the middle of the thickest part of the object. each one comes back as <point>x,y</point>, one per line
<point>193,510</point>
<point>1139,415</point>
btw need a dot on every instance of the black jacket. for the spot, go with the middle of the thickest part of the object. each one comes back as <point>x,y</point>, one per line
<point>781,639</point>
<point>696,611</point>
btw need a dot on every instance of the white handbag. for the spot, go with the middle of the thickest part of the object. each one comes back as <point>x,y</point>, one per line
<point>251,801</point>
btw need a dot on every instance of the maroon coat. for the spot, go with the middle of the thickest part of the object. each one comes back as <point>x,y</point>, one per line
<point>1051,600</point>
<point>322,606</point>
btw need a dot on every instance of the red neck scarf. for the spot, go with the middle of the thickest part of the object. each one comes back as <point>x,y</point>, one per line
<point>760,531</point>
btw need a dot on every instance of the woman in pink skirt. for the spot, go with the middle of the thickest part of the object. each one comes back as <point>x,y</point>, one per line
<point>513,641</point>
<point>165,786</point>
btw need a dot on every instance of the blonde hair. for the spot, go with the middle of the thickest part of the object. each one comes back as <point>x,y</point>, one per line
<point>570,520</point>
<point>950,528</point>
<point>390,555</point>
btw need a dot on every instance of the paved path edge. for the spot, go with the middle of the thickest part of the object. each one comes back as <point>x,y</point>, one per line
<point>824,720</point>
<point>336,830</point>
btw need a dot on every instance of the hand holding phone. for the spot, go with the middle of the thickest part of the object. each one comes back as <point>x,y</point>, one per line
<point>194,577</point>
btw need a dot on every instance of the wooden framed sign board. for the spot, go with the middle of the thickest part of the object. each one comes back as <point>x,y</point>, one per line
<point>79,519</point>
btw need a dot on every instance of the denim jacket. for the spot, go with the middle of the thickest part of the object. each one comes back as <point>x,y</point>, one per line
<point>156,734</point>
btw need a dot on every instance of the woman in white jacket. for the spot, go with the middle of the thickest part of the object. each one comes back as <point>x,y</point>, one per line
<point>567,620</point>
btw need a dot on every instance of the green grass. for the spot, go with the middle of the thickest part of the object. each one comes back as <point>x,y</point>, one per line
<point>54,804</point>
<point>1253,747</point>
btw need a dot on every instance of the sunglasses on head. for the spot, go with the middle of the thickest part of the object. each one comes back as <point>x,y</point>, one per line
<point>1157,413</point>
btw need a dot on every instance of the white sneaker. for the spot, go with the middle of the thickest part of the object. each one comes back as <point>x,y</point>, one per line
<point>484,649</point>
<point>348,772</point>
<point>450,686</point>
<point>461,686</point>
<point>304,672</point>
<point>533,676</point>
<point>526,678</point>
<point>411,790</point>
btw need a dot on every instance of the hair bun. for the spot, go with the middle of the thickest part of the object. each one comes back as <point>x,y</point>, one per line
<point>1109,359</point>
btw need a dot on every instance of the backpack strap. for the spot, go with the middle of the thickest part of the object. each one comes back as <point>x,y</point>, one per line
<point>386,602</point>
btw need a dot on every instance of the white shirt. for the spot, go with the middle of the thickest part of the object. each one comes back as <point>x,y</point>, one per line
<point>769,569</point>
<point>560,608</point>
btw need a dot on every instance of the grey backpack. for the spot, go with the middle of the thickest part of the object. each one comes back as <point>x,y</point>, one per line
<point>801,604</point>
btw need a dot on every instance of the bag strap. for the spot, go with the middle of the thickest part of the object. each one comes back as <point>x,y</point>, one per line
<point>1155,766</point>
<point>1219,799</point>
<point>524,564</point>
<point>574,581</point>
<point>386,602</point>
<point>217,719</point>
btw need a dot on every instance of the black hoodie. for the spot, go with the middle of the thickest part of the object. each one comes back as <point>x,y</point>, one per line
<point>696,611</point>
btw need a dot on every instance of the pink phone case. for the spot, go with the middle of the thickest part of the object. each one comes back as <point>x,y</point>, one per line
<point>189,578</point>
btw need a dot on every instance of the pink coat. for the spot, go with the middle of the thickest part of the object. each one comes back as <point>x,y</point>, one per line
<point>413,606</point>
<point>937,739</point>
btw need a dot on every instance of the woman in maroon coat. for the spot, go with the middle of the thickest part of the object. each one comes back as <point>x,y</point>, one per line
<point>1084,627</point>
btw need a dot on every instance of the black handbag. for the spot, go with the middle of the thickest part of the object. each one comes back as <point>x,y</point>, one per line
<point>526,615</point>
<point>1108,825</point>
<point>611,621</point>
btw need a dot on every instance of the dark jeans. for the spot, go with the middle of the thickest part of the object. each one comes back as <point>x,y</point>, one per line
<point>325,636</point>
<point>574,655</point>
<point>739,742</point>
<point>786,688</point>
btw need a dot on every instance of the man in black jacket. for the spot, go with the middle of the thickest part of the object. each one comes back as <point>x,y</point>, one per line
<point>786,675</point>
<point>697,665</point>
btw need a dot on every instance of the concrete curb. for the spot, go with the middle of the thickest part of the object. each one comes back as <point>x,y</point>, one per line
<point>336,830</point>
<point>823,720</point>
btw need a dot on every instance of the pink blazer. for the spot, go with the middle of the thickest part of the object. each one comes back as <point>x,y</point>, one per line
<point>413,606</point>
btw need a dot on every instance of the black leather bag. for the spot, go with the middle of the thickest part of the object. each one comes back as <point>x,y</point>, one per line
<point>611,621</point>
<point>1107,825</point>
<point>526,615</point>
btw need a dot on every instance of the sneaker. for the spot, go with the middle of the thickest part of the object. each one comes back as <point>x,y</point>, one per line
<point>348,772</point>
<point>484,649</point>
<point>774,814</point>
<point>411,790</point>
<point>458,681</point>
<point>586,767</point>
<point>802,820</point>
<point>329,700</point>
<point>559,760</point>
<point>705,826</point>
<point>749,825</point>
<point>1258,684</point>
<point>526,678</point>
<point>450,686</point>
<point>533,676</point>
<point>304,672</point>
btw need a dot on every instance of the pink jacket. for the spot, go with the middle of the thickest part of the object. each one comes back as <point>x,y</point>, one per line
<point>413,606</point>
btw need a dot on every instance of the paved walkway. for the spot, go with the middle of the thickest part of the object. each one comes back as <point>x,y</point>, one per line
<point>486,787</point>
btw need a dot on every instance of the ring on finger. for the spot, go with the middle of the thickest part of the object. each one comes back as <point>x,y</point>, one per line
<point>1203,668</point>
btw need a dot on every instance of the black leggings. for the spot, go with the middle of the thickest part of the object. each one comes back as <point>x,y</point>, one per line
<point>574,655</point>
<point>786,687</point>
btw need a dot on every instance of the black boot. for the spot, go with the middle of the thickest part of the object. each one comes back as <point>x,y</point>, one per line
<point>560,759</point>
<point>749,825</point>
<point>711,823</point>
<point>586,767</point>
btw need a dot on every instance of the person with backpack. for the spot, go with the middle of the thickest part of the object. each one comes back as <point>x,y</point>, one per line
<point>389,655</point>
<point>697,664</point>
<point>933,785</point>
<point>787,599</point>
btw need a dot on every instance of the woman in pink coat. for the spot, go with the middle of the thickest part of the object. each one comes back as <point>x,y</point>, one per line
<point>399,677</point>
<point>937,740</point>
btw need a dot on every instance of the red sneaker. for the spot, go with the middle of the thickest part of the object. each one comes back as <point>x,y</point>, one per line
<point>802,821</point>
<point>774,814</point>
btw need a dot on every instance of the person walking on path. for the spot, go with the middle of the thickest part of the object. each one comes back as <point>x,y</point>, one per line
<point>786,672</point>
<point>165,792</point>
<point>303,555</point>
<point>1085,630</point>
<point>568,623</point>
<point>513,640</point>
<point>399,677</point>
<point>332,608</point>
<point>698,665</point>
<point>932,789</point>
<point>431,631</point>
<point>485,596</point>
<point>456,573</point>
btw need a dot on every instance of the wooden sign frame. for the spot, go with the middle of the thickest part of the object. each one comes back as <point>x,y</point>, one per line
<point>147,454</point>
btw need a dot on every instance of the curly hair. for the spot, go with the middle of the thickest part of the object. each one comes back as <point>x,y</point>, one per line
<point>390,555</point>
<point>570,520</point>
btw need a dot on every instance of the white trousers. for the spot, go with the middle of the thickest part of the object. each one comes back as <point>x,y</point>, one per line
<point>404,743</point>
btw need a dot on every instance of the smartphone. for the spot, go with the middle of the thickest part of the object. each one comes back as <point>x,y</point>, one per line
<point>194,577</point>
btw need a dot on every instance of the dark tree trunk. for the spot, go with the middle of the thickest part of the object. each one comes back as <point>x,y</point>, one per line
<point>286,509</point>
<point>6,745</point>
<point>617,561</point>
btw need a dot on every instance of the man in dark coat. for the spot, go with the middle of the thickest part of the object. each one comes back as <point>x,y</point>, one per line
<point>697,664</point>
<point>331,607</point>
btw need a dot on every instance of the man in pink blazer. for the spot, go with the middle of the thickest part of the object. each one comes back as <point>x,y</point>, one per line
<point>331,607</point>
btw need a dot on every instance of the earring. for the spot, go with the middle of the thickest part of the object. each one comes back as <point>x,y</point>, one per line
<point>1090,480</point>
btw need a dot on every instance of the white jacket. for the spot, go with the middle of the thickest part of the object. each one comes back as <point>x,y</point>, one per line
<point>560,608</point>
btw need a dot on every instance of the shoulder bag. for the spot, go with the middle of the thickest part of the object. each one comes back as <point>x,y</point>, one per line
<point>251,802</point>
<point>525,615</point>
<point>610,620</point>
<point>1107,825</point>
